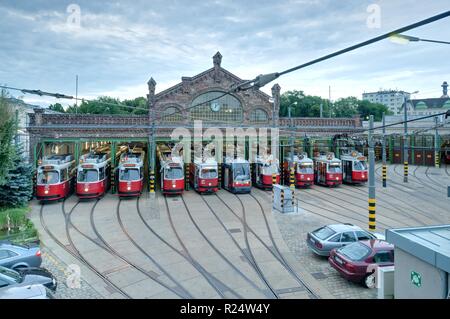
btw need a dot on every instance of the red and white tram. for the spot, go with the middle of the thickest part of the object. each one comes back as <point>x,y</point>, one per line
<point>203,175</point>
<point>304,170</point>
<point>265,168</point>
<point>55,177</point>
<point>130,173</point>
<point>93,175</point>
<point>236,175</point>
<point>172,171</point>
<point>354,168</point>
<point>327,170</point>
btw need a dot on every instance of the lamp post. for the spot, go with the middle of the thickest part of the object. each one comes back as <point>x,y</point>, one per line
<point>404,39</point>
<point>291,136</point>
<point>405,137</point>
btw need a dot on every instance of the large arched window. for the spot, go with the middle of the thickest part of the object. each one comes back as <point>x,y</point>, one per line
<point>259,116</point>
<point>224,109</point>
<point>171,114</point>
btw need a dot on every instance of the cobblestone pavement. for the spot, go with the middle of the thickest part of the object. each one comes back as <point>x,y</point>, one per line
<point>62,272</point>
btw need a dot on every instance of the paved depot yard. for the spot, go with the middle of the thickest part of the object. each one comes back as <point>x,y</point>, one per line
<point>197,247</point>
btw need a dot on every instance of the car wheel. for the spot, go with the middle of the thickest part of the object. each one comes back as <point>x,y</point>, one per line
<point>369,281</point>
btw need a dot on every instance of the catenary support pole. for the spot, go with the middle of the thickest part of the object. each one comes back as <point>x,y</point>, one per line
<point>405,142</point>
<point>372,200</point>
<point>383,152</point>
<point>436,144</point>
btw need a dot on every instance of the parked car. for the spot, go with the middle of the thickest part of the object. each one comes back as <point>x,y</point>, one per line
<point>9,277</point>
<point>19,256</point>
<point>357,262</point>
<point>26,291</point>
<point>322,240</point>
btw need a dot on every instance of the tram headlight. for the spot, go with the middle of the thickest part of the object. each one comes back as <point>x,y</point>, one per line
<point>128,188</point>
<point>86,189</point>
<point>174,185</point>
<point>337,178</point>
<point>46,191</point>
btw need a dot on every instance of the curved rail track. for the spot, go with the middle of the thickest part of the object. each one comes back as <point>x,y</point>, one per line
<point>74,252</point>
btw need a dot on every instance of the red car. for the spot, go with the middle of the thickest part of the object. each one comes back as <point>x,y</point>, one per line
<point>357,261</point>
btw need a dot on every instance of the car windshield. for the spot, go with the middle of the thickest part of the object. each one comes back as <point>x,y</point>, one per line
<point>173,173</point>
<point>334,168</point>
<point>13,275</point>
<point>208,173</point>
<point>88,175</point>
<point>324,233</point>
<point>355,251</point>
<point>360,166</point>
<point>129,174</point>
<point>305,168</point>
<point>241,172</point>
<point>48,177</point>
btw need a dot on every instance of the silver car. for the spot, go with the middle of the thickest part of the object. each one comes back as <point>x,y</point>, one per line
<point>20,256</point>
<point>26,291</point>
<point>322,240</point>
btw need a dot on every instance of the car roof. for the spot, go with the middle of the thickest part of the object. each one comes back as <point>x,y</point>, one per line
<point>344,227</point>
<point>377,244</point>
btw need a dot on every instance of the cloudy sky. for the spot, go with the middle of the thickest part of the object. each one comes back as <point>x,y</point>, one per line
<point>116,46</point>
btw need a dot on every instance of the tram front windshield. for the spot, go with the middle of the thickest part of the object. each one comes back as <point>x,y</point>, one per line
<point>334,168</point>
<point>129,174</point>
<point>270,169</point>
<point>48,177</point>
<point>359,166</point>
<point>88,175</point>
<point>241,172</point>
<point>305,168</point>
<point>208,172</point>
<point>173,173</point>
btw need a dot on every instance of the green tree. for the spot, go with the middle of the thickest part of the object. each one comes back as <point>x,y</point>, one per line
<point>306,105</point>
<point>7,131</point>
<point>345,107</point>
<point>366,108</point>
<point>57,107</point>
<point>110,105</point>
<point>18,189</point>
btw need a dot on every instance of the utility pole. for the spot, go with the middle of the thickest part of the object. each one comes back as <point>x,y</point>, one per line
<point>321,110</point>
<point>436,144</point>
<point>76,93</point>
<point>291,136</point>
<point>383,154</point>
<point>329,99</point>
<point>372,200</point>
<point>405,142</point>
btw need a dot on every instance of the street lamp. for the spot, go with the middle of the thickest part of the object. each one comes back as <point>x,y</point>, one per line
<point>405,39</point>
<point>291,137</point>
<point>405,137</point>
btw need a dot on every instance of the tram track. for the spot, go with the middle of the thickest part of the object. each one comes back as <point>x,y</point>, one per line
<point>212,280</point>
<point>412,192</point>
<point>255,266</point>
<point>325,199</point>
<point>74,252</point>
<point>109,249</point>
<point>190,260</point>
<point>276,254</point>
<point>274,244</point>
<point>343,190</point>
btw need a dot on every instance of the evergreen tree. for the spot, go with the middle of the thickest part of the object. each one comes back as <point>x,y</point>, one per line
<point>7,131</point>
<point>18,189</point>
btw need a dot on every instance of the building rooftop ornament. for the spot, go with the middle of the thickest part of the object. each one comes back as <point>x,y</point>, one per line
<point>217,59</point>
<point>444,90</point>
<point>151,86</point>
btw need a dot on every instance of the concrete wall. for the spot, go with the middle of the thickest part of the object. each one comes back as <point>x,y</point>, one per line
<point>434,281</point>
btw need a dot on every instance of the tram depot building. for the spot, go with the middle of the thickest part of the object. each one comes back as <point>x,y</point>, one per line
<point>172,108</point>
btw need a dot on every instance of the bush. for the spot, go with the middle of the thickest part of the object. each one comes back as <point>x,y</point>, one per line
<point>17,217</point>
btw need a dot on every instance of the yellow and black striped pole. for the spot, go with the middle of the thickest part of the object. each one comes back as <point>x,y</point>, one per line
<point>292,179</point>
<point>219,175</point>
<point>372,219</point>
<point>186,176</point>
<point>274,181</point>
<point>152,181</point>
<point>371,200</point>
<point>405,172</point>
<point>384,173</point>
<point>436,144</point>
<point>113,180</point>
<point>436,159</point>
<point>282,199</point>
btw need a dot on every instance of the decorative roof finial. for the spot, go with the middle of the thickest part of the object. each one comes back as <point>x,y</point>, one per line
<point>444,90</point>
<point>217,59</point>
